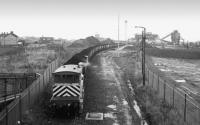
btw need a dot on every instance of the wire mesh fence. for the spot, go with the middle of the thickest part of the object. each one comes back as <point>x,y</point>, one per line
<point>187,107</point>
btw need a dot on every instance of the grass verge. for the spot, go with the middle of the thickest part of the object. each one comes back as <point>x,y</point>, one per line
<point>154,110</point>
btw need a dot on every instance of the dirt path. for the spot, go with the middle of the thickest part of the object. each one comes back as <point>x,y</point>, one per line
<point>105,92</point>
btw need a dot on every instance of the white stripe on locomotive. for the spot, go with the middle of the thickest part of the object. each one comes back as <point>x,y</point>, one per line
<point>58,90</point>
<point>55,87</point>
<point>62,92</point>
<point>74,90</point>
<point>69,90</point>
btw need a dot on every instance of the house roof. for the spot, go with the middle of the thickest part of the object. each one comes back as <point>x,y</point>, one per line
<point>6,34</point>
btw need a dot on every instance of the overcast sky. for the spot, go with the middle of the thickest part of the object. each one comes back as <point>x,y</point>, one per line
<point>74,19</point>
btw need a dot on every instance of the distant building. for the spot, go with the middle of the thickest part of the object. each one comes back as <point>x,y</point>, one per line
<point>21,42</point>
<point>149,36</point>
<point>97,36</point>
<point>46,39</point>
<point>8,38</point>
<point>175,37</point>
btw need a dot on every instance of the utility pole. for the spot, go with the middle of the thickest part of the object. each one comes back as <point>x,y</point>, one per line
<point>125,34</point>
<point>143,54</point>
<point>118,30</point>
<point>4,35</point>
<point>143,51</point>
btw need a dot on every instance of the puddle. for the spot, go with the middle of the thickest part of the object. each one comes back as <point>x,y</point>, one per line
<point>115,99</point>
<point>115,124</point>
<point>114,107</point>
<point>165,70</point>
<point>138,111</point>
<point>182,80</point>
<point>94,66</point>
<point>124,102</point>
<point>130,87</point>
<point>111,84</point>
<point>111,115</point>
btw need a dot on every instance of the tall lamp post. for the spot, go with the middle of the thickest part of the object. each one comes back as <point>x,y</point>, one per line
<point>143,51</point>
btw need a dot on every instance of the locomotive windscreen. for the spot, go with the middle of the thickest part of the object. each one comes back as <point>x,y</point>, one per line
<point>66,78</point>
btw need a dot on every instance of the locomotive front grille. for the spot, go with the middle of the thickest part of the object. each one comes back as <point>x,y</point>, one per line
<point>66,90</point>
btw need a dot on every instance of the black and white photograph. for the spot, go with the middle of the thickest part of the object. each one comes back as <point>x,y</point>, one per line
<point>99,62</point>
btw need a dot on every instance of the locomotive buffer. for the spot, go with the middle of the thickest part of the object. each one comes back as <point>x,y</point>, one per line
<point>68,88</point>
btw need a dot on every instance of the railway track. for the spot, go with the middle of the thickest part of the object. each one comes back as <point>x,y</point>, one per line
<point>128,92</point>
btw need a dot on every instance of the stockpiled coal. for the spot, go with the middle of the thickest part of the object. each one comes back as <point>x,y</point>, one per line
<point>174,53</point>
<point>79,57</point>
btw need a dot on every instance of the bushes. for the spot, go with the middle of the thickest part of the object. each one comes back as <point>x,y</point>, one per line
<point>156,111</point>
<point>10,50</point>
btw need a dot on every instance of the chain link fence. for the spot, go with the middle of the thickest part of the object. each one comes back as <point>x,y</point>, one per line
<point>187,107</point>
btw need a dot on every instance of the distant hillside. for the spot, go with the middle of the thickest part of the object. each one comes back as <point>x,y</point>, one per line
<point>87,42</point>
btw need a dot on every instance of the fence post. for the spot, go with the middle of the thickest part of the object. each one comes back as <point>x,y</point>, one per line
<point>20,104</point>
<point>49,74</point>
<point>173,97</point>
<point>5,92</point>
<point>164,90</point>
<point>199,114</point>
<point>26,77</point>
<point>15,91</point>
<point>39,89</point>
<point>148,77</point>
<point>152,79</point>
<point>185,108</point>
<point>43,81</point>
<point>29,97</point>
<point>39,85</point>
<point>158,86</point>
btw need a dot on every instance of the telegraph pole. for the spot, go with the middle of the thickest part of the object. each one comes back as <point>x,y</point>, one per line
<point>125,34</point>
<point>118,30</point>
<point>143,51</point>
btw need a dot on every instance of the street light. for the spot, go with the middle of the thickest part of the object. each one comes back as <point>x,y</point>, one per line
<point>143,51</point>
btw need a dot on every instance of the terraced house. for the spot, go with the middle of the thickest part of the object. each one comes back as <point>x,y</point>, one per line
<point>8,38</point>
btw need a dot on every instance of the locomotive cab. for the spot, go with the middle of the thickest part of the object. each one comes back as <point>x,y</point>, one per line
<point>67,86</point>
